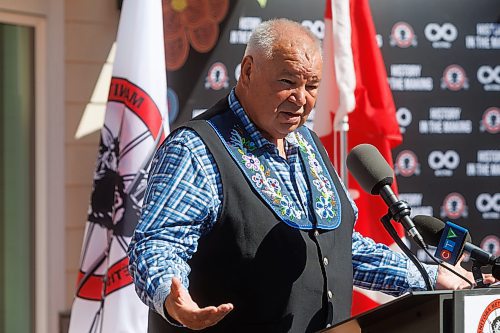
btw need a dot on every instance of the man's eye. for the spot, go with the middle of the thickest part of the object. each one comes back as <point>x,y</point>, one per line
<point>312,87</point>
<point>286,81</point>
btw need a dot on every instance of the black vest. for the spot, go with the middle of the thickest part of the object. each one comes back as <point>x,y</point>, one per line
<point>279,278</point>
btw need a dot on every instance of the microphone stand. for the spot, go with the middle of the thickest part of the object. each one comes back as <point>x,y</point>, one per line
<point>401,208</point>
<point>495,271</point>
<point>477,274</point>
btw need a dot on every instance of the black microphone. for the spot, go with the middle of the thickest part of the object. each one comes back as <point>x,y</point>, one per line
<point>375,176</point>
<point>432,228</point>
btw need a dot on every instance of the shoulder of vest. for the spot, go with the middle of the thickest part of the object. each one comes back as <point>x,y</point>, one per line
<point>218,107</point>
<point>199,123</point>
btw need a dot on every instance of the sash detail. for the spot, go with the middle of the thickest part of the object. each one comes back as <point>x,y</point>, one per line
<point>267,184</point>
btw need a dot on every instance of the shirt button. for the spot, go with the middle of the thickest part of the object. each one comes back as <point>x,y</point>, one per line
<point>316,233</point>
<point>330,294</point>
<point>325,261</point>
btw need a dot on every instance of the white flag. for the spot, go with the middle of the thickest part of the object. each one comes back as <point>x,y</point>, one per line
<point>136,121</point>
<point>336,92</point>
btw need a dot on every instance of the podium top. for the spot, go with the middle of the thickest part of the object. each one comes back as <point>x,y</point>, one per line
<point>388,309</point>
<point>416,306</point>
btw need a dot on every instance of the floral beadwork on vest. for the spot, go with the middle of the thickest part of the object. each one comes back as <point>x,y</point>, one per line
<point>262,177</point>
<point>325,202</point>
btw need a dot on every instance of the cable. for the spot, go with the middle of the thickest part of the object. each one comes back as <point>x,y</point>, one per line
<point>440,263</point>
<point>386,221</point>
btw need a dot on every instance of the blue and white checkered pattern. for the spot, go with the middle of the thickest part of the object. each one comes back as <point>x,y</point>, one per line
<point>184,199</point>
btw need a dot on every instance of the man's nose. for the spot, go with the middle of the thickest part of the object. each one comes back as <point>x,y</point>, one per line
<point>298,96</point>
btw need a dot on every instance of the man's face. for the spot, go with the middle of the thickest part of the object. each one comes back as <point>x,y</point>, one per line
<point>282,91</point>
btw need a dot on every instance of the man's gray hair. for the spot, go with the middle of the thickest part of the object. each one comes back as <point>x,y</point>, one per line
<point>264,37</point>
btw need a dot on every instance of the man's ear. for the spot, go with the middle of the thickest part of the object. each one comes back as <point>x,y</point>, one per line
<point>247,67</point>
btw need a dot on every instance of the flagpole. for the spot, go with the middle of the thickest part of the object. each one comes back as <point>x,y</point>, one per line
<point>344,128</point>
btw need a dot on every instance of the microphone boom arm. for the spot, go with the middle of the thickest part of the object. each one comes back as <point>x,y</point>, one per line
<point>400,211</point>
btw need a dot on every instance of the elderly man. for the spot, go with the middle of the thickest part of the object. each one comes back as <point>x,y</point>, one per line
<point>246,226</point>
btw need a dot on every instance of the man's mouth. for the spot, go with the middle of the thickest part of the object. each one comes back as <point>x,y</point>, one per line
<point>291,117</point>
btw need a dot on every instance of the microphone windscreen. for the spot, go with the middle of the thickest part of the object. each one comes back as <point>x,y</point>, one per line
<point>431,229</point>
<point>369,168</point>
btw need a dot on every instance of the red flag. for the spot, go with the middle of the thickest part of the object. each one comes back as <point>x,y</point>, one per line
<point>373,121</point>
<point>135,122</point>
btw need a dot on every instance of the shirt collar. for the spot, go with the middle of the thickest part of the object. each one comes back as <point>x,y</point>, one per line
<point>250,127</point>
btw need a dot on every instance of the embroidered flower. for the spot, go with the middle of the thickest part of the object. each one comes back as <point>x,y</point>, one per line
<point>250,145</point>
<point>287,208</point>
<point>273,184</point>
<point>326,202</point>
<point>271,195</point>
<point>258,180</point>
<point>319,184</point>
<point>324,208</point>
<point>325,181</point>
<point>262,179</point>
<point>315,166</point>
<point>323,185</point>
<point>251,162</point>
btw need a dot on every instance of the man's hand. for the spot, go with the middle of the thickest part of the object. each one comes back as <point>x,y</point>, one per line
<point>182,308</point>
<point>448,280</point>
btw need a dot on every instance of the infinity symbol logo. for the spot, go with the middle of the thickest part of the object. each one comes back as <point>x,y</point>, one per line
<point>449,159</point>
<point>435,32</point>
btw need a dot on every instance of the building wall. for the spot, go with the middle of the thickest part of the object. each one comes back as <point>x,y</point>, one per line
<point>47,17</point>
<point>74,38</point>
<point>39,7</point>
<point>90,29</point>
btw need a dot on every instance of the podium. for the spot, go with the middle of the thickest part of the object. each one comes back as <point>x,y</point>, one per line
<point>461,311</point>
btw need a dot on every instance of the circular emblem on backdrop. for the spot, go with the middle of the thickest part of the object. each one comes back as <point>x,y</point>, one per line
<point>454,206</point>
<point>404,117</point>
<point>491,120</point>
<point>491,244</point>
<point>490,320</point>
<point>454,78</point>
<point>402,35</point>
<point>217,77</point>
<point>173,105</point>
<point>407,163</point>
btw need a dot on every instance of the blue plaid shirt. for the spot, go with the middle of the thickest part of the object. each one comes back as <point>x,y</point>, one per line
<point>183,201</point>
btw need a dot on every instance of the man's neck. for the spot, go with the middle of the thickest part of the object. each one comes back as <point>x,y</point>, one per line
<point>280,144</point>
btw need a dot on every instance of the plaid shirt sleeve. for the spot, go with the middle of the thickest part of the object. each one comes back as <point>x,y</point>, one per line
<point>181,203</point>
<point>377,267</point>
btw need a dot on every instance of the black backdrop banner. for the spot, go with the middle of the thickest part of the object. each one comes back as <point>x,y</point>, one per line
<point>443,62</point>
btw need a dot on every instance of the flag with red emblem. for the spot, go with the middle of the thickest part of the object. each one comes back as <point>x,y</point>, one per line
<point>355,85</point>
<point>135,123</point>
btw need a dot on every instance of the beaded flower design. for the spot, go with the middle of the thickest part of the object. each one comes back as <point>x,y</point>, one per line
<point>325,203</point>
<point>263,179</point>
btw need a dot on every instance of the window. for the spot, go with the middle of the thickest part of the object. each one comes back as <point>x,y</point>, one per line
<point>17,168</point>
